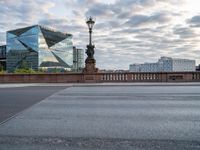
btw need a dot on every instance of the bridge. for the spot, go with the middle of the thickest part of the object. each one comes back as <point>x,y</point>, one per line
<point>101,77</point>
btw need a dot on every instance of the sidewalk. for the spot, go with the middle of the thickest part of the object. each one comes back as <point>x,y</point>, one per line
<point>102,84</point>
<point>11,85</point>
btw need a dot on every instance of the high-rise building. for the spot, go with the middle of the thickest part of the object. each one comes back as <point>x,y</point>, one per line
<point>165,64</point>
<point>3,56</point>
<point>78,59</point>
<point>198,68</point>
<point>38,47</point>
<point>176,64</point>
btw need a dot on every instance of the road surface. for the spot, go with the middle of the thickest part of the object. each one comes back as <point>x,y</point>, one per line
<point>15,100</point>
<point>109,117</point>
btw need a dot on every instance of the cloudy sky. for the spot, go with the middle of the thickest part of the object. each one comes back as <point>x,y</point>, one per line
<point>126,31</point>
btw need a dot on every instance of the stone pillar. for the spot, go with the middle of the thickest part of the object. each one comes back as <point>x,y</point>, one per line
<point>90,67</point>
<point>90,71</point>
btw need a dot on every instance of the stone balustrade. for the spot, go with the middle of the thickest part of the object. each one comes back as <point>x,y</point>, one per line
<point>101,77</point>
<point>151,77</point>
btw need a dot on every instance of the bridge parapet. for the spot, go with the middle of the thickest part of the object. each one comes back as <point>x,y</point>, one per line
<point>101,77</point>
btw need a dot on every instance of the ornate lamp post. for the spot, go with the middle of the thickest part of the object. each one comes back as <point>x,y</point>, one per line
<point>90,22</point>
<point>90,61</point>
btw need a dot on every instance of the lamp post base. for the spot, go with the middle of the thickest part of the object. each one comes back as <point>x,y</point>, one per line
<point>90,69</point>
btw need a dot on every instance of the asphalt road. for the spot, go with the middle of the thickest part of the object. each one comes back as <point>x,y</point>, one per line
<point>109,118</point>
<point>15,100</point>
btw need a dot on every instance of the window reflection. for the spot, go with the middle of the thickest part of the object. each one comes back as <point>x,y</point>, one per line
<point>39,47</point>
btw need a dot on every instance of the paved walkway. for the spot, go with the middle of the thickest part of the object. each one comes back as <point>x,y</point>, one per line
<point>109,117</point>
<point>15,85</point>
<point>12,85</point>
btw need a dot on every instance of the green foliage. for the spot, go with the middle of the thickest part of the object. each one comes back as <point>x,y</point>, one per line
<point>2,72</point>
<point>1,69</point>
<point>24,70</point>
<point>41,70</point>
<point>55,70</point>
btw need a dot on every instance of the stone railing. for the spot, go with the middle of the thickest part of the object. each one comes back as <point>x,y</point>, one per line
<point>196,76</point>
<point>41,78</point>
<point>151,77</point>
<point>129,77</point>
<point>101,77</point>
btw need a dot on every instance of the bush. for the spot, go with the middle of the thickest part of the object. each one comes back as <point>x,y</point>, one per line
<point>2,72</point>
<point>1,69</point>
<point>55,70</point>
<point>40,70</point>
<point>24,70</point>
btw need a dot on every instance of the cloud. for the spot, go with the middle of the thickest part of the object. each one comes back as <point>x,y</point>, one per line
<point>125,32</point>
<point>100,10</point>
<point>141,20</point>
<point>184,32</point>
<point>194,21</point>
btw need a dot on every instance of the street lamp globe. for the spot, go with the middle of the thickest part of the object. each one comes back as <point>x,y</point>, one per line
<point>90,22</point>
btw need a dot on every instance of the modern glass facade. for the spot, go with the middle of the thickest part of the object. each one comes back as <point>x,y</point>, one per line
<point>3,52</point>
<point>78,59</point>
<point>38,47</point>
<point>3,56</point>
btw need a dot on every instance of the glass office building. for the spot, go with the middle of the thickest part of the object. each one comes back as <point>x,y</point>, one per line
<point>38,47</point>
<point>3,57</point>
<point>78,59</point>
